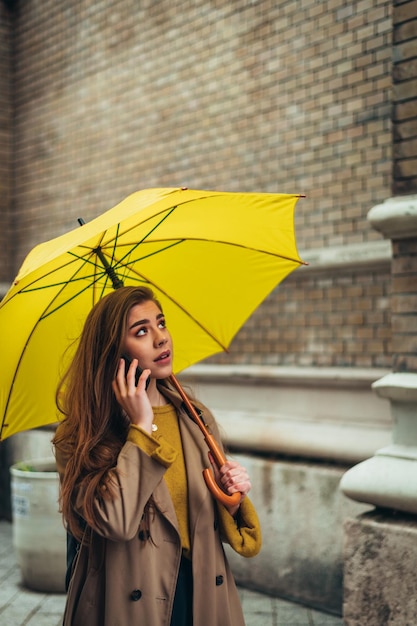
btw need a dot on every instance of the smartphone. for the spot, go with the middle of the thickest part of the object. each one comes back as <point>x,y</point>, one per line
<point>128,362</point>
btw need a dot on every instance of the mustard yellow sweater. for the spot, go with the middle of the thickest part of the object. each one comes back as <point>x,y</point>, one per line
<point>166,419</point>
<point>243,534</point>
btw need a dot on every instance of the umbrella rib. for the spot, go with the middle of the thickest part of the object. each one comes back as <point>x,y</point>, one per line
<point>167,214</point>
<point>238,245</point>
<point>210,241</point>
<point>95,276</point>
<point>88,286</point>
<point>41,317</point>
<point>145,279</point>
<point>30,287</point>
<point>110,268</point>
<point>86,261</point>
<point>187,313</point>
<point>148,281</point>
<point>120,262</point>
<point>113,240</point>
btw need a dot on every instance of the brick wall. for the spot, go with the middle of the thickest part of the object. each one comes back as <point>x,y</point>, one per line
<point>324,320</point>
<point>288,96</point>
<point>6,18</point>
<point>404,305</point>
<point>405,96</point>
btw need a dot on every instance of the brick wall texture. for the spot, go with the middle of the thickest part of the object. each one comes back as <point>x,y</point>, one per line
<point>405,97</point>
<point>6,129</point>
<point>404,305</point>
<point>281,96</point>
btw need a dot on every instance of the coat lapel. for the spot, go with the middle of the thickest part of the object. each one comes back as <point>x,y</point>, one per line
<point>196,459</point>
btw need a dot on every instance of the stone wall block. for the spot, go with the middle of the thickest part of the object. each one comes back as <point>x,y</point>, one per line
<point>302,513</point>
<point>380,555</point>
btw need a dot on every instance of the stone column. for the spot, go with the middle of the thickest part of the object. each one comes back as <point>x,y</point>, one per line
<point>379,546</point>
<point>389,478</point>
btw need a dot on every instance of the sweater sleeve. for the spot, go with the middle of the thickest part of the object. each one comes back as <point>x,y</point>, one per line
<point>243,534</point>
<point>157,448</point>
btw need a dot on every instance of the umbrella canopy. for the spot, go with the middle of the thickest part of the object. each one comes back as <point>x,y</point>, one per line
<point>210,257</point>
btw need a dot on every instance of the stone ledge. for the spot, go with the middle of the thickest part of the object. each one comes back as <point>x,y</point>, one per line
<point>396,218</point>
<point>367,255</point>
<point>277,375</point>
<point>329,414</point>
<point>275,434</point>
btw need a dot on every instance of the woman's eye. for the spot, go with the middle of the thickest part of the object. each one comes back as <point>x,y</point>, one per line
<point>141,331</point>
<point>162,324</point>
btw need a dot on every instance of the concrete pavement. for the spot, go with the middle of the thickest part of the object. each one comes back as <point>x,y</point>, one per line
<point>22,607</point>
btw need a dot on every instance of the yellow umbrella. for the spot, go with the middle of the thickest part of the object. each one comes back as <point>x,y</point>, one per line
<point>210,257</point>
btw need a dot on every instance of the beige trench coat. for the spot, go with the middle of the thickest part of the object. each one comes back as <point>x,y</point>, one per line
<point>122,579</point>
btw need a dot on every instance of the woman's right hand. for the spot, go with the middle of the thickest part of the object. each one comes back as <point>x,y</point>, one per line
<point>133,399</point>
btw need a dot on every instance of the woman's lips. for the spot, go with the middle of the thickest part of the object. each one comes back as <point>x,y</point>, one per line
<point>164,357</point>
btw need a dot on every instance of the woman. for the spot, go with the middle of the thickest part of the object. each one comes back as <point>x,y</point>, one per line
<point>132,494</point>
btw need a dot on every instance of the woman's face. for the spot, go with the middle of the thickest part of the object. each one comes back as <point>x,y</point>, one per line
<point>148,340</point>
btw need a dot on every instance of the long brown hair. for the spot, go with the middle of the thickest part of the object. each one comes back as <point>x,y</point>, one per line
<point>94,428</point>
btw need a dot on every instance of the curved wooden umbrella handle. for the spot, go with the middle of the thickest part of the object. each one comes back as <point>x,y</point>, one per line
<point>219,458</point>
<point>221,496</point>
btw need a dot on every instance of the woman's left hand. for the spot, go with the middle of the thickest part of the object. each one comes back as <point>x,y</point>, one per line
<point>232,477</point>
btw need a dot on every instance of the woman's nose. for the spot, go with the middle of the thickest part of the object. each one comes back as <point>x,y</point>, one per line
<point>160,339</point>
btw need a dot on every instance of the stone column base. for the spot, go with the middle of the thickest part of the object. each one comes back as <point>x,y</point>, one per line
<point>380,556</point>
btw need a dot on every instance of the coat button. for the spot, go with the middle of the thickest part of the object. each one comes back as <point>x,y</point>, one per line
<point>136,595</point>
<point>219,580</point>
